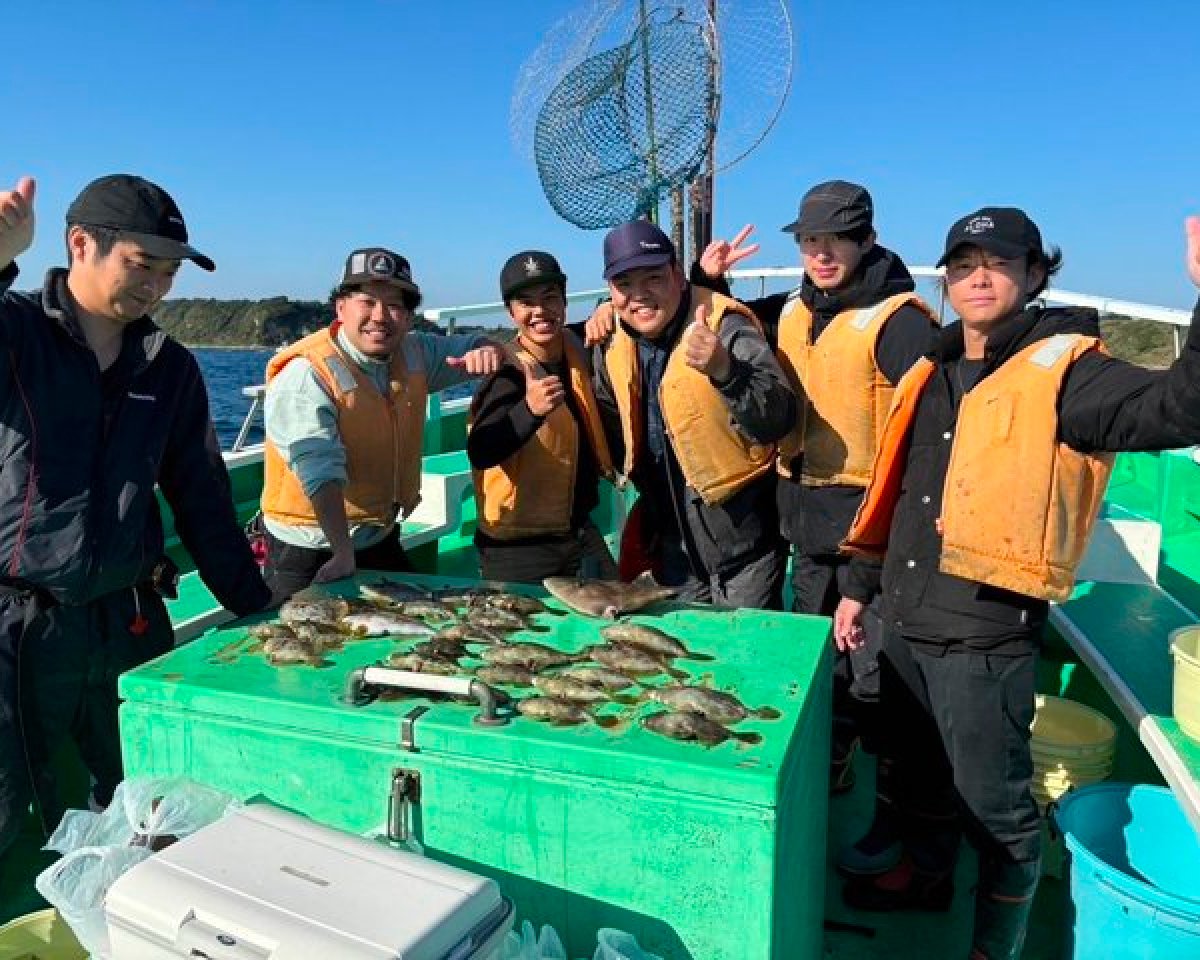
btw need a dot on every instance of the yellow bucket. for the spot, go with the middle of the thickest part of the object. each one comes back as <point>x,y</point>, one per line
<point>1072,745</point>
<point>39,936</point>
<point>1185,646</point>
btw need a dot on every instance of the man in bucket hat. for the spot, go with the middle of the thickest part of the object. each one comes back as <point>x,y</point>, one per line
<point>990,475</point>
<point>99,406</point>
<point>345,418</point>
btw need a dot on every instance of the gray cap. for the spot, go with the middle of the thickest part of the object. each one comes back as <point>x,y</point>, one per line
<point>836,206</point>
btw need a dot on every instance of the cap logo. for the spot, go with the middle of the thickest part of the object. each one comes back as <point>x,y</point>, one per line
<point>532,269</point>
<point>650,245</point>
<point>178,220</point>
<point>979,225</point>
<point>381,265</point>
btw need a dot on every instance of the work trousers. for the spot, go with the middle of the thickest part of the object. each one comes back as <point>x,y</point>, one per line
<point>585,554</point>
<point>757,583</point>
<point>58,679</point>
<point>817,585</point>
<point>289,568</point>
<point>956,723</point>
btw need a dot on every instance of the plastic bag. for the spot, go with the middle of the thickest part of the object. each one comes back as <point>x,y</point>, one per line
<point>618,945</point>
<point>146,815</point>
<point>527,945</point>
<point>145,811</point>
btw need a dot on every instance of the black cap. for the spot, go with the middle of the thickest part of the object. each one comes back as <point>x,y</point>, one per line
<point>1005,231</point>
<point>378,265</point>
<point>638,243</point>
<point>836,206</point>
<point>527,268</point>
<point>140,211</point>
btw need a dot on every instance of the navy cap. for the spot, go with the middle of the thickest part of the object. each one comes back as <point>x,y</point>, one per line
<point>378,265</point>
<point>836,206</point>
<point>137,210</point>
<point>1005,231</point>
<point>528,268</point>
<point>638,243</point>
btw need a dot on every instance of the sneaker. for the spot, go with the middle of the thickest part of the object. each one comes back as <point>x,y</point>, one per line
<point>902,888</point>
<point>877,852</point>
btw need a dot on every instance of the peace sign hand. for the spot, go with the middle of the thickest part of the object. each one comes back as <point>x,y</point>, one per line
<point>16,220</point>
<point>720,255</point>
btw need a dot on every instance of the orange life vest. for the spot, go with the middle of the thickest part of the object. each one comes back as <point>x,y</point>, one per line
<point>844,397</point>
<point>381,435</point>
<point>716,458</point>
<point>1018,504</point>
<point>532,493</point>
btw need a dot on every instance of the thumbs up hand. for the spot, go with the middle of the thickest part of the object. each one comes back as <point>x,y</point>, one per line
<point>703,349</point>
<point>16,220</point>
<point>543,395</point>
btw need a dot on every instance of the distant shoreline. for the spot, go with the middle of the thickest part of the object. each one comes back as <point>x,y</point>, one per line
<point>226,346</point>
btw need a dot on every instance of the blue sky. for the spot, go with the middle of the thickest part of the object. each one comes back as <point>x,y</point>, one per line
<point>291,132</point>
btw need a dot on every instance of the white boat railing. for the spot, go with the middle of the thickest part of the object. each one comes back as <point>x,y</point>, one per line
<point>450,317</point>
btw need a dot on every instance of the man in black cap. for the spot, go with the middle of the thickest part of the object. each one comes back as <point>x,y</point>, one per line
<point>989,479</point>
<point>695,402</point>
<point>845,337</point>
<point>536,442</point>
<point>99,406</point>
<point>345,419</point>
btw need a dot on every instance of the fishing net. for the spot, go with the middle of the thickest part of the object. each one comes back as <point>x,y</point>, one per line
<point>628,123</point>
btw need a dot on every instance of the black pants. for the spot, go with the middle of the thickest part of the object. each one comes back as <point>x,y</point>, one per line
<point>957,727</point>
<point>58,679</point>
<point>290,569</point>
<point>756,584</point>
<point>585,555</point>
<point>817,589</point>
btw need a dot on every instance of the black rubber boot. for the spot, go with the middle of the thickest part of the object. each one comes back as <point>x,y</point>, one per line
<point>881,847</point>
<point>902,888</point>
<point>1003,902</point>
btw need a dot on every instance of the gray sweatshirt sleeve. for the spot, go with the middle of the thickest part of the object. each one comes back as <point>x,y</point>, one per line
<point>301,421</point>
<point>757,391</point>
<point>436,349</point>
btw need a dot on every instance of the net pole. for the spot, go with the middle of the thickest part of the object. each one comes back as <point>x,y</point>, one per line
<point>704,183</point>
<point>647,80</point>
<point>677,221</point>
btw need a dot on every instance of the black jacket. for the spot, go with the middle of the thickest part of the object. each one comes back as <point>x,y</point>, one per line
<point>816,519</point>
<point>718,539</point>
<point>1105,405</point>
<point>81,452</point>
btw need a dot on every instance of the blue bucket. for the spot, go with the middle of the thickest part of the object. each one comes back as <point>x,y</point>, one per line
<point>1135,874</point>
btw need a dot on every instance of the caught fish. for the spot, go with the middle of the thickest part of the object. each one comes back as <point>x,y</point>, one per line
<point>386,623</point>
<point>282,651</point>
<point>685,725</point>
<point>491,618</point>
<point>718,706</point>
<point>440,648</point>
<point>468,633</point>
<point>418,664</point>
<point>534,656</point>
<point>265,631</point>
<point>505,675</point>
<point>650,639</point>
<point>600,677</point>
<point>510,602</point>
<point>574,691</point>
<point>312,607</point>
<point>631,661</point>
<point>426,609</point>
<point>394,591</point>
<point>607,598</point>
<point>553,711</point>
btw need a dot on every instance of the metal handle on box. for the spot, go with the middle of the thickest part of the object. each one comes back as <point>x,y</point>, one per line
<point>362,685</point>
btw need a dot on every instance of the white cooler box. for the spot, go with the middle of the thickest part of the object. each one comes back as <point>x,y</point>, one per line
<point>265,884</point>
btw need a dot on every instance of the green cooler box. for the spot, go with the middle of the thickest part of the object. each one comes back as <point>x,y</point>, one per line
<point>713,853</point>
